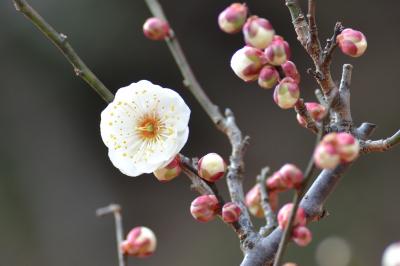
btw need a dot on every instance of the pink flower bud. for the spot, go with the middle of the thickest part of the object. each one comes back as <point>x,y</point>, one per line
<point>169,172</point>
<point>268,77</point>
<point>290,70</point>
<point>253,201</point>
<point>258,32</point>
<point>247,63</point>
<point>326,156</point>
<point>140,242</point>
<point>316,111</point>
<point>292,176</point>
<point>211,167</point>
<point>231,20</point>
<point>391,255</point>
<point>348,147</point>
<point>204,208</point>
<point>156,29</point>
<point>301,236</point>
<point>286,93</point>
<point>352,42</point>
<point>290,264</point>
<point>284,215</point>
<point>277,52</point>
<point>231,212</point>
<point>275,183</point>
<point>278,38</point>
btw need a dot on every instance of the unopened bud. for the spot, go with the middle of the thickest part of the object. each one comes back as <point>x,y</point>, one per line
<point>258,32</point>
<point>275,183</point>
<point>253,201</point>
<point>268,77</point>
<point>326,156</point>
<point>291,176</point>
<point>169,172</point>
<point>141,242</point>
<point>286,93</point>
<point>233,17</point>
<point>211,167</point>
<point>290,264</point>
<point>301,236</point>
<point>348,147</point>
<point>247,63</point>
<point>352,42</point>
<point>316,111</point>
<point>231,212</point>
<point>278,51</point>
<point>391,255</point>
<point>204,208</point>
<point>290,70</point>
<point>156,29</point>
<point>284,215</point>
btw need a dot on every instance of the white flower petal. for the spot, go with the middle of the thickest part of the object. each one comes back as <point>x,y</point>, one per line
<point>144,127</point>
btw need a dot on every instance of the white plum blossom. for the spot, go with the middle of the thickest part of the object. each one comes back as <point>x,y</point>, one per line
<point>144,127</point>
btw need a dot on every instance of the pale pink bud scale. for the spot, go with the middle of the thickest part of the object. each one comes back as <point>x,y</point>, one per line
<point>211,167</point>
<point>286,93</point>
<point>232,18</point>
<point>204,208</point>
<point>156,29</point>
<point>258,32</point>
<point>140,242</point>
<point>231,212</point>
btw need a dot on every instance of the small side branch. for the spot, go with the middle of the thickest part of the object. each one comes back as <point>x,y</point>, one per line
<point>341,102</point>
<point>380,145</point>
<point>269,214</point>
<point>60,41</point>
<point>115,209</point>
<point>314,45</point>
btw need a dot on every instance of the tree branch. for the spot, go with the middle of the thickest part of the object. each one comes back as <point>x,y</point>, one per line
<point>225,124</point>
<point>60,41</point>
<point>380,145</point>
<point>341,102</point>
<point>115,209</point>
<point>313,203</point>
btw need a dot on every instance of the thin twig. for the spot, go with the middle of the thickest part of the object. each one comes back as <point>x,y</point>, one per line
<point>60,41</point>
<point>115,209</point>
<point>381,145</point>
<point>314,45</point>
<point>270,217</point>
<point>308,174</point>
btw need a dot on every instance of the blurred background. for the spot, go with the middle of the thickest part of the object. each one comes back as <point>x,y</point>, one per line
<point>54,168</point>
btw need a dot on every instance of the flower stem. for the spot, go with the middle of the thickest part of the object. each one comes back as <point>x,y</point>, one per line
<point>60,41</point>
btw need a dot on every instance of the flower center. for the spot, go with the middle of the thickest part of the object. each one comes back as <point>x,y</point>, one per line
<point>149,127</point>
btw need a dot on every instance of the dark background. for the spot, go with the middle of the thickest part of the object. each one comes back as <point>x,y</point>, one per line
<point>54,169</point>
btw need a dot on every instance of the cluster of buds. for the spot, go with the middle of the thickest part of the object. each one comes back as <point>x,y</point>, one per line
<point>156,29</point>
<point>205,208</point>
<point>336,148</point>
<point>288,177</point>
<point>352,42</point>
<point>317,112</point>
<point>211,167</point>
<point>231,212</point>
<point>263,54</point>
<point>301,235</point>
<point>391,255</point>
<point>140,242</point>
<point>169,172</point>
